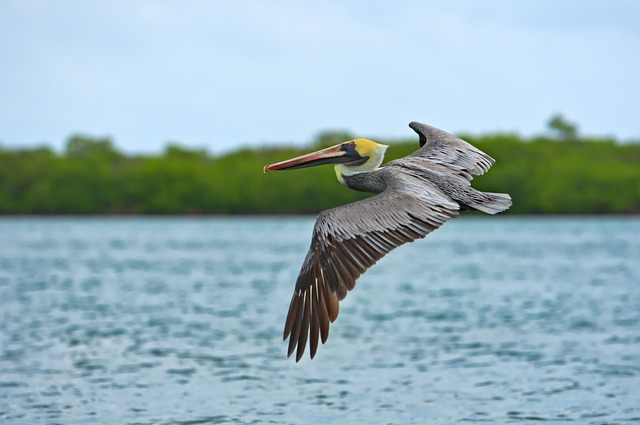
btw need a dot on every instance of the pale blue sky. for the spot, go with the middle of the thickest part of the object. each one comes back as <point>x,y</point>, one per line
<point>220,74</point>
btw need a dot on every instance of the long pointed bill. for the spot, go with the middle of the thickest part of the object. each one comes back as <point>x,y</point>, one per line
<point>331,155</point>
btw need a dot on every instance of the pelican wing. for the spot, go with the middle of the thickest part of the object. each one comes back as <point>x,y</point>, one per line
<point>454,153</point>
<point>347,240</point>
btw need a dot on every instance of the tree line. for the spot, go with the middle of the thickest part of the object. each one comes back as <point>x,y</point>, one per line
<point>559,173</point>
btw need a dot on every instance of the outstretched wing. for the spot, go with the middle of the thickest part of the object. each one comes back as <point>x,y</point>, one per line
<point>454,153</point>
<point>348,240</point>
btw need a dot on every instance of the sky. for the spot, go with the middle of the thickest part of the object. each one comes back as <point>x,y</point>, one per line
<point>226,74</point>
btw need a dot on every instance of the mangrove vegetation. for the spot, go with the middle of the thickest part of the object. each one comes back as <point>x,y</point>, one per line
<point>560,173</point>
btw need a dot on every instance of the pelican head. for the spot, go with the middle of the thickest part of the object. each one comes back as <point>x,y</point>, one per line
<point>351,157</point>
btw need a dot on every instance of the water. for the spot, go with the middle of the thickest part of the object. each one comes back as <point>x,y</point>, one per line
<point>179,321</point>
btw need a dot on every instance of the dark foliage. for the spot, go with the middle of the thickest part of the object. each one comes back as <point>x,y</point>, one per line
<point>562,175</point>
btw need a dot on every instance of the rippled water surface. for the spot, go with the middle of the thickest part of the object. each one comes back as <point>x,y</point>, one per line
<point>179,321</point>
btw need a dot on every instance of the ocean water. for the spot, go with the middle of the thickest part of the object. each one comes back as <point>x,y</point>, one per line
<point>179,321</point>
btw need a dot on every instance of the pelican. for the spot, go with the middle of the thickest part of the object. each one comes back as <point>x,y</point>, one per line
<point>414,196</point>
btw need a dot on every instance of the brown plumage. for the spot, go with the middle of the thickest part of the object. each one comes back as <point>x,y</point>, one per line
<point>414,196</point>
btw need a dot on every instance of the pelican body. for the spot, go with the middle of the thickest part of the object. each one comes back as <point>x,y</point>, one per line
<point>414,196</point>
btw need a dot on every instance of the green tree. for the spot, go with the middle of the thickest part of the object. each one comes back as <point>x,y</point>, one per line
<point>92,177</point>
<point>564,130</point>
<point>79,146</point>
<point>174,150</point>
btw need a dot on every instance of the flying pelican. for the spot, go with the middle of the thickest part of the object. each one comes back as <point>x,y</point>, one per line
<point>414,196</point>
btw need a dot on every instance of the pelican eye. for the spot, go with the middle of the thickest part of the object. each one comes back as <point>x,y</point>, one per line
<point>348,146</point>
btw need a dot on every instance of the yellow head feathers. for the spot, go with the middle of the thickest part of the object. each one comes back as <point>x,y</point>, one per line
<point>366,148</point>
<point>373,150</point>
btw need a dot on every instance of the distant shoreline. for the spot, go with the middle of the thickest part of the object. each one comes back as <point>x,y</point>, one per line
<point>544,175</point>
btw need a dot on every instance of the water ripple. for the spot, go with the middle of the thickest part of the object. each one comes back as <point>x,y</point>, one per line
<point>179,321</point>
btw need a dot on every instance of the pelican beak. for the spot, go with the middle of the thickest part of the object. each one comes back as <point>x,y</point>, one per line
<point>332,155</point>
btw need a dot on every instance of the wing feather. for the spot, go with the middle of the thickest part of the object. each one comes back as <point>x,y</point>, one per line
<point>324,314</point>
<point>446,149</point>
<point>350,239</point>
<point>304,326</point>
